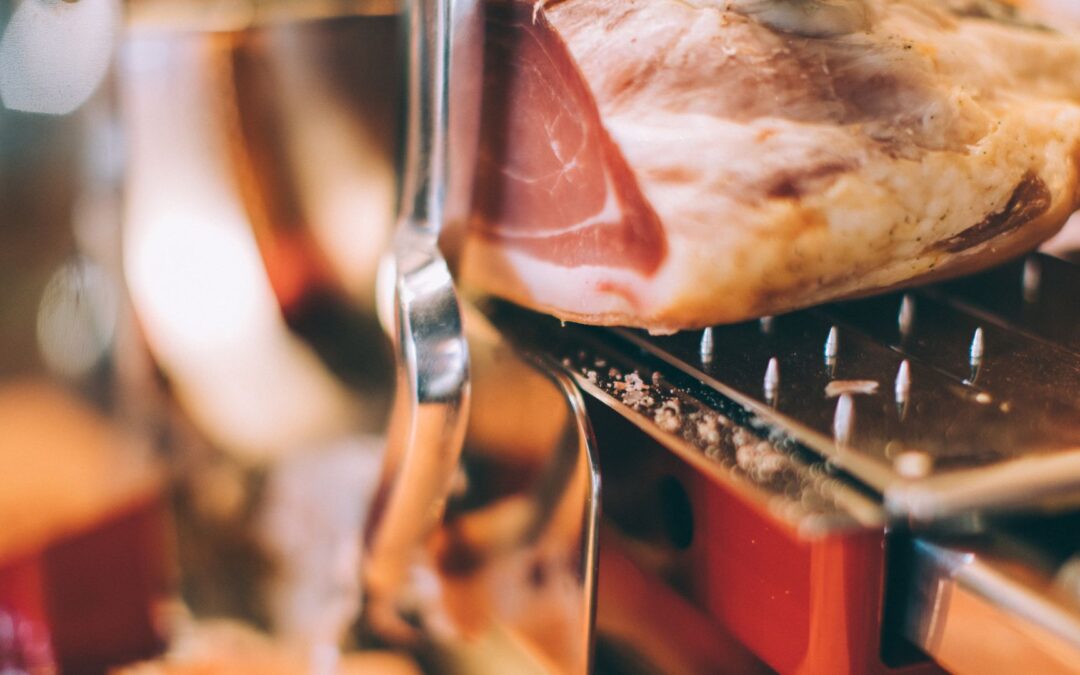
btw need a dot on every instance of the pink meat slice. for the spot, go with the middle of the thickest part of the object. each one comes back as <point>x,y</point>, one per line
<point>553,183</point>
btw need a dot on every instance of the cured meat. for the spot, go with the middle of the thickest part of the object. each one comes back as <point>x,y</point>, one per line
<point>673,164</point>
<point>1052,12</point>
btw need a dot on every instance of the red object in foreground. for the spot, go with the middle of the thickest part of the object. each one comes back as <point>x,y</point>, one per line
<point>86,602</point>
<point>803,605</point>
<point>727,578</point>
<point>25,645</point>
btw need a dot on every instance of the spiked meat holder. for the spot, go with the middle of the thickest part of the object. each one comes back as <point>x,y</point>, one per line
<point>884,485</point>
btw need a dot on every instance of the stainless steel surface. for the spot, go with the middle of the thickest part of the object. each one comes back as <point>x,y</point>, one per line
<point>516,555</point>
<point>988,607</point>
<point>985,384</point>
<point>710,432</point>
<point>712,407</point>
<point>1004,296</point>
<point>432,355</point>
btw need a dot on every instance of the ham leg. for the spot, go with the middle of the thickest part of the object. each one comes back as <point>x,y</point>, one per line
<point>673,164</point>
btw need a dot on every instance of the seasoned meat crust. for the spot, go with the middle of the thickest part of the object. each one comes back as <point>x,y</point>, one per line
<point>678,163</point>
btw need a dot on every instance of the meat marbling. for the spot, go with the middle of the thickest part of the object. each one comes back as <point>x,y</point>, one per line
<point>677,163</point>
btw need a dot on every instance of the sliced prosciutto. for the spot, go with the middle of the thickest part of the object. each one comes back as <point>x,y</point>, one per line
<point>673,164</point>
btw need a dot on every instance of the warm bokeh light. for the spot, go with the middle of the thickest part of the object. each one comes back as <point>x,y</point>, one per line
<point>76,319</point>
<point>53,55</point>
<point>193,268</point>
<point>349,193</point>
<point>61,466</point>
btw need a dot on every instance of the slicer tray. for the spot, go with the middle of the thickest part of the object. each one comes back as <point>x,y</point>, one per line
<point>945,399</point>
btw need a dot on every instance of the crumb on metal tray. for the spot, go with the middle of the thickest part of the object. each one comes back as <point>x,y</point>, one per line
<point>841,387</point>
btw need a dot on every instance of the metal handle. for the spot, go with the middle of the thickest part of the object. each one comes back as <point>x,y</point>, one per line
<point>424,187</point>
<point>431,407</point>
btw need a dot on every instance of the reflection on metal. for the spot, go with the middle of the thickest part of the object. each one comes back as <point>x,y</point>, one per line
<point>515,557</point>
<point>832,348</point>
<point>1009,440</point>
<point>76,319</point>
<point>905,319</point>
<point>1031,280</point>
<point>717,439</point>
<point>902,388</point>
<point>913,464</point>
<point>978,348</point>
<point>1024,483</point>
<point>767,323</point>
<point>708,345</point>
<point>771,386</point>
<point>426,433</point>
<point>844,420</point>
<point>981,610</point>
<point>432,357</point>
<point>698,502</point>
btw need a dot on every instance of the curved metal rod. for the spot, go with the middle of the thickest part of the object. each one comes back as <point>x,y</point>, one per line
<point>431,407</point>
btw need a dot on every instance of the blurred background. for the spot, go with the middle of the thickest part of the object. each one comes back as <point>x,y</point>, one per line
<point>194,388</point>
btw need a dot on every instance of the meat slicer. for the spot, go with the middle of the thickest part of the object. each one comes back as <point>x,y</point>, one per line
<point>862,487</point>
<point>889,484</point>
<point>881,485</point>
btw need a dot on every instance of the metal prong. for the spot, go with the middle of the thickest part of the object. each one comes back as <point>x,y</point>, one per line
<point>832,347</point>
<point>905,319</point>
<point>772,380</point>
<point>978,348</point>
<point>767,324</point>
<point>844,420</point>
<point>707,345</point>
<point>903,383</point>
<point>1032,279</point>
